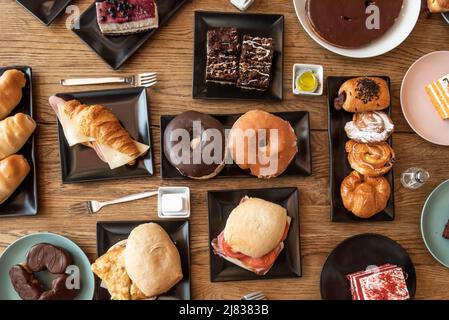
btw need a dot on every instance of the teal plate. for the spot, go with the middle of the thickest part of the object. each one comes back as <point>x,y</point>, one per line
<point>16,254</point>
<point>435,215</point>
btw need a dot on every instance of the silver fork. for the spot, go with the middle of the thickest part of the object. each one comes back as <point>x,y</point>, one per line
<point>93,206</point>
<point>138,80</point>
<point>258,295</point>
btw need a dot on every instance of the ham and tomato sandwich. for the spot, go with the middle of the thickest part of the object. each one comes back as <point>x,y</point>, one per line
<point>254,235</point>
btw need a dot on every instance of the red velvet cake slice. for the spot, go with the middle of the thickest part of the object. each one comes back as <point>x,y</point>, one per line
<point>121,17</point>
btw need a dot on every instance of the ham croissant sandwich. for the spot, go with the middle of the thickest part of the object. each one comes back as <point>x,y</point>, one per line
<point>254,235</point>
<point>97,127</point>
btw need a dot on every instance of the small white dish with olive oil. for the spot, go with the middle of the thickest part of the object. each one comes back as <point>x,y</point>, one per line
<point>308,79</point>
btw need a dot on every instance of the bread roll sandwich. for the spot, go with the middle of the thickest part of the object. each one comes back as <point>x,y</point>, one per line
<point>14,132</point>
<point>97,127</point>
<point>144,266</point>
<point>11,84</point>
<point>254,235</point>
<point>13,171</point>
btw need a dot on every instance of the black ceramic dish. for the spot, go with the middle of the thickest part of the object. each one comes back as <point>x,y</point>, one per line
<point>45,10</point>
<point>109,233</point>
<point>221,203</point>
<point>300,166</point>
<point>81,164</point>
<point>23,202</point>
<point>339,165</point>
<point>355,254</point>
<point>116,50</point>
<point>254,24</point>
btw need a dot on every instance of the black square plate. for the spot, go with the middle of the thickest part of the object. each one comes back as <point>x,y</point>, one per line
<point>254,24</point>
<point>221,203</point>
<point>300,166</point>
<point>109,233</point>
<point>356,254</point>
<point>81,164</point>
<point>339,165</point>
<point>23,202</point>
<point>45,10</point>
<point>115,50</point>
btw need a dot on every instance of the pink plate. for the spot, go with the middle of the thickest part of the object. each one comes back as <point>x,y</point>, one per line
<point>416,105</point>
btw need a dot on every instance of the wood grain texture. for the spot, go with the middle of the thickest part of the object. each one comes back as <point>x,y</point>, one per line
<point>56,52</point>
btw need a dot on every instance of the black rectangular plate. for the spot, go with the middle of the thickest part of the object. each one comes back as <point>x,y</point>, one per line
<point>221,203</point>
<point>109,233</point>
<point>81,164</point>
<point>45,10</point>
<point>116,50</point>
<point>23,202</point>
<point>254,24</point>
<point>300,166</point>
<point>339,165</point>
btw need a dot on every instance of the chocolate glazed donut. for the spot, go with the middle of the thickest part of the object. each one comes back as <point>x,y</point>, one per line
<point>174,145</point>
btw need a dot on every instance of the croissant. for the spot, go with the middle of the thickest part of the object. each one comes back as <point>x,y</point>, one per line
<point>14,132</point>
<point>436,6</point>
<point>13,171</point>
<point>11,84</point>
<point>101,124</point>
<point>365,196</point>
<point>374,159</point>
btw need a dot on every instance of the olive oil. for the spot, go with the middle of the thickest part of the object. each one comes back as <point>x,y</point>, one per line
<point>307,81</point>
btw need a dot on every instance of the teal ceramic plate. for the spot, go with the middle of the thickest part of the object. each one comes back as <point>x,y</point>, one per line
<point>435,215</point>
<point>446,16</point>
<point>17,251</point>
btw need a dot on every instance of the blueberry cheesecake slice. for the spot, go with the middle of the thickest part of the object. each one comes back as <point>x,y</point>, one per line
<point>122,17</point>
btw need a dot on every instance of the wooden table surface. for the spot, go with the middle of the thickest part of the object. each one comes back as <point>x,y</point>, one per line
<point>55,52</point>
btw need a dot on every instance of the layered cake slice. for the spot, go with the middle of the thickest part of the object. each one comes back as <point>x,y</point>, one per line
<point>438,92</point>
<point>222,56</point>
<point>121,17</point>
<point>255,63</point>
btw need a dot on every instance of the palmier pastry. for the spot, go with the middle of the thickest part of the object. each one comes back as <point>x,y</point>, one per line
<point>370,127</point>
<point>363,94</point>
<point>363,195</point>
<point>263,143</point>
<point>370,159</point>
<point>191,137</point>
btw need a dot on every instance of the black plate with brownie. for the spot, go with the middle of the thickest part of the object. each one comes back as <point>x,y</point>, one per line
<point>238,56</point>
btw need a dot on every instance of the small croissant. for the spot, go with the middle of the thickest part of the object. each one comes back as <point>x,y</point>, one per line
<point>101,124</point>
<point>11,84</point>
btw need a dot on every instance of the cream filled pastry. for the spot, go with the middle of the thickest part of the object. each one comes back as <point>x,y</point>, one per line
<point>370,127</point>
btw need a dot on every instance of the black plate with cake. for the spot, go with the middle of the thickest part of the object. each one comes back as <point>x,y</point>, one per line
<point>103,134</point>
<point>361,156</point>
<point>368,267</point>
<point>238,56</point>
<point>202,156</point>
<point>116,29</point>
<point>18,181</point>
<point>254,234</point>
<point>45,10</point>
<point>141,273</point>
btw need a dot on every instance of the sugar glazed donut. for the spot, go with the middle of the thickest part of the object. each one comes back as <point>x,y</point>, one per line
<point>189,139</point>
<point>263,143</point>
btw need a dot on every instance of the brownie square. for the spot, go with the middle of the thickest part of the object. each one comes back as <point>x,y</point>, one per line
<point>222,68</point>
<point>223,41</point>
<point>255,63</point>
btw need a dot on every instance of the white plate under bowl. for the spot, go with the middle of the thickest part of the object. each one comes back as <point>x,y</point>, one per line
<point>390,40</point>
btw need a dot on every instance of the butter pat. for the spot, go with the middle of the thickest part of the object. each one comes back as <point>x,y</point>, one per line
<point>172,204</point>
<point>242,5</point>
